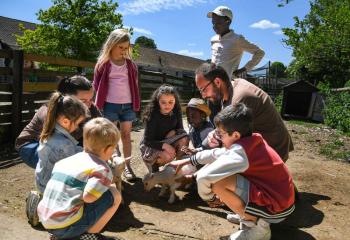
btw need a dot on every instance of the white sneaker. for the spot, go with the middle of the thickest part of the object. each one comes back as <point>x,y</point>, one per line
<point>250,231</point>
<point>233,218</point>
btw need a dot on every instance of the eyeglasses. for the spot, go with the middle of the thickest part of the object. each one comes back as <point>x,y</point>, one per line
<point>220,134</point>
<point>205,87</point>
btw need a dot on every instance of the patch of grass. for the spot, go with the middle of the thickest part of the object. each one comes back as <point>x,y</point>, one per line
<point>334,149</point>
<point>306,124</point>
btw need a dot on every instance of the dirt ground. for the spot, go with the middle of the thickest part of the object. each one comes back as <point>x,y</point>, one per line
<point>322,212</point>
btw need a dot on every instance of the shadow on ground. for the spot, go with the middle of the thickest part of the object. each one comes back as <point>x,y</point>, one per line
<point>305,215</point>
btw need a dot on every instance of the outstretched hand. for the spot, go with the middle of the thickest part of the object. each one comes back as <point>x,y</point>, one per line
<point>187,150</point>
<point>178,164</point>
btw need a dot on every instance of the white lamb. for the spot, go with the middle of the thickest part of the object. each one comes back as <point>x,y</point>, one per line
<point>166,178</point>
<point>117,165</point>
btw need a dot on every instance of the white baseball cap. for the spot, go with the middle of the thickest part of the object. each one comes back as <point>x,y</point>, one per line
<point>222,11</point>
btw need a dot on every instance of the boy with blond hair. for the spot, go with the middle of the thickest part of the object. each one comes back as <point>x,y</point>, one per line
<point>246,174</point>
<point>79,199</point>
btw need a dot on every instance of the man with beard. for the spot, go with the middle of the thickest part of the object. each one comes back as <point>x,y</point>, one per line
<point>214,85</point>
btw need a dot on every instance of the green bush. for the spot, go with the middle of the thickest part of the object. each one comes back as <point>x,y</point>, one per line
<point>337,110</point>
<point>278,102</point>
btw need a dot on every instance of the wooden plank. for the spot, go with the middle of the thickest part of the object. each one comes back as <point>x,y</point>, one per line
<point>48,73</point>
<point>27,115</point>
<point>58,60</point>
<point>5,71</point>
<point>150,73</point>
<point>5,109</point>
<point>39,87</point>
<point>37,96</point>
<point>5,97</point>
<point>31,106</point>
<point>5,87</point>
<point>5,118</point>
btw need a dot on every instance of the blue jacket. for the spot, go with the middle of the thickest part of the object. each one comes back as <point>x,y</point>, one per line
<point>60,145</point>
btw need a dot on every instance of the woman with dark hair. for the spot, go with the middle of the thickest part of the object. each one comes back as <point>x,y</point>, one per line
<point>28,140</point>
<point>164,134</point>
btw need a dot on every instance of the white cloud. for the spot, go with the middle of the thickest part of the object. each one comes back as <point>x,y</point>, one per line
<point>143,31</point>
<point>190,53</point>
<point>279,32</point>
<point>148,6</point>
<point>140,30</point>
<point>265,24</point>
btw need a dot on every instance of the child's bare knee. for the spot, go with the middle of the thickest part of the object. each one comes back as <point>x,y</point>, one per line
<point>116,195</point>
<point>217,187</point>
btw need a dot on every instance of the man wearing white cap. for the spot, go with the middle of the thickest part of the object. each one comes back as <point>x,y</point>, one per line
<point>227,47</point>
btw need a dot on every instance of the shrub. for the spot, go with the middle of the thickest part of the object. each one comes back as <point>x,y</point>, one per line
<point>337,110</point>
<point>278,102</point>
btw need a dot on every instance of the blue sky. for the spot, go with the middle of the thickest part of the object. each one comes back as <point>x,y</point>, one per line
<point>181,26</point>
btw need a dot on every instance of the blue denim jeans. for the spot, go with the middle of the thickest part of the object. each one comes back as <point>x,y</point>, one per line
<point>92,213</point>
<point>119,112</point>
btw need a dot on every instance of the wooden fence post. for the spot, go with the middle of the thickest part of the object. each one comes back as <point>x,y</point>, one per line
<point>17,86</point>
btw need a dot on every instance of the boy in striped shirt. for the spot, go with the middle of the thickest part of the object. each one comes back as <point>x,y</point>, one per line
<point>79,199</point>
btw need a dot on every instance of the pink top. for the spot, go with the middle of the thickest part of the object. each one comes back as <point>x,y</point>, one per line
<point>118,85</point>
<point>101,78</point>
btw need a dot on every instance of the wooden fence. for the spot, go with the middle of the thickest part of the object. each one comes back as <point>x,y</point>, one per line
<point>23,91</point>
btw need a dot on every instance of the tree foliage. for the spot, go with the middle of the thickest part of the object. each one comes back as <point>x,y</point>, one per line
<point>72,28</point>
<point>321,43</point>
<point>145,42</point>
<point>337,110</point>
<point>278,70</point>
<point>283,3</point>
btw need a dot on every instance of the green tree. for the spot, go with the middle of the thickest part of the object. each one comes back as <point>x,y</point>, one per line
<point>145,42</point>
<point>278,70</point>
<point>320,43</point>
<point>283,3</point>
<point>72,28</point>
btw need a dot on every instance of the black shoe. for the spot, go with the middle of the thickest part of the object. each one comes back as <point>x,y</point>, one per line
<point>94,236</point>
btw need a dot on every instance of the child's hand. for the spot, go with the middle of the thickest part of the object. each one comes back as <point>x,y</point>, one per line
<point>179,164</point>
<point>213,140</point>
<point>188,151</point>
<point>215,203</point>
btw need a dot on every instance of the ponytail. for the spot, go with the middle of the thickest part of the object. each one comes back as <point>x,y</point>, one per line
<point>50,121</point>
<point>61,105</point>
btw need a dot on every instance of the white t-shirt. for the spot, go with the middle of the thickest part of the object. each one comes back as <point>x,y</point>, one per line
<point>227,51</point>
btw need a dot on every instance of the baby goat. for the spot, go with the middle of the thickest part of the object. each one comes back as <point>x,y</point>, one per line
<point>117,165</point>
<point>167,178</point>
